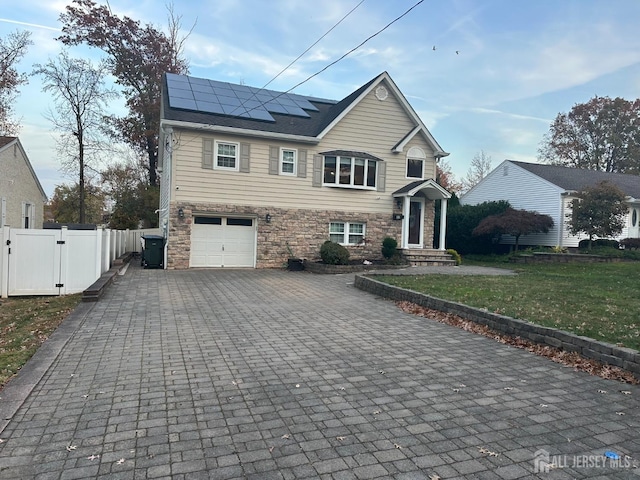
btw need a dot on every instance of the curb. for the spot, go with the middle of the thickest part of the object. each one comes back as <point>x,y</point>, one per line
<point>625,358</point>
<point>97,288</point>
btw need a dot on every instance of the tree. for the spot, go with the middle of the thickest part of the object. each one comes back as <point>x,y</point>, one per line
<point>65,204</point>
<point>137,56</point>
<point>599,211</point>
<point>446,178</point>
<point>77,88</point>
<point>12,49</point>
<point>514,222</point>
<point>134,199</point>
<point>462,219</point>
<point>480,167</point>
<point>602,134</point>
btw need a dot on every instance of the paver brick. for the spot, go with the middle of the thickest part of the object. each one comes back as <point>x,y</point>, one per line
<point>237,374</point>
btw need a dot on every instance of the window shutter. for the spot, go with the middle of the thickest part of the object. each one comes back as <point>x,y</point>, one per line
<point>3,212</point>
<point>207,153</point>
<point>24,214</point>
<point>274,160</point>
<point>317,171</point>
<point>302,163</point>
<point>382,176</point>
<point>245,155</point>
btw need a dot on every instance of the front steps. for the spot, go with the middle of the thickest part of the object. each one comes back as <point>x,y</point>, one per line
<point>427,257</point>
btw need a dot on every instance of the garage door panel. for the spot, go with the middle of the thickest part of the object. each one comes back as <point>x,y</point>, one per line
<point>222,242</point>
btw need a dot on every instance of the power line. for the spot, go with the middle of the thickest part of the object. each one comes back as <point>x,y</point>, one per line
<point>296,59</point>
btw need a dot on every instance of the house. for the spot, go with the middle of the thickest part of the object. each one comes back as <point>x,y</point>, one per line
<point>21,195</point>
<point>550,189</point>
<point>251,177</point>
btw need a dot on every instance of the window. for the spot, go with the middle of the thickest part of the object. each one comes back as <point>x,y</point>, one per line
<point>414,168</point>
<point>415,163</point>
<point>634,217</point>
<point>346,233</point>
<point>288,162</point>
<point>226,156</point>
<point>350,172</point>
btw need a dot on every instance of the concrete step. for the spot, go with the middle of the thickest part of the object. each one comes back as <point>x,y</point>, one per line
<point>428,257</point>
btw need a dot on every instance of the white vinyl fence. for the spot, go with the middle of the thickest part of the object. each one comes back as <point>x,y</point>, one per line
<point>58,262</point>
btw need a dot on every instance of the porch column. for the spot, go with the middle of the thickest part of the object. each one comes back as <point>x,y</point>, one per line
<point>443,223</point>
<point>405,222</point>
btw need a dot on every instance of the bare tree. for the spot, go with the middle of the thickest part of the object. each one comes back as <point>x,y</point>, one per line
<point>480,167</point>
<point>12,49</point>
<point>80,97</point>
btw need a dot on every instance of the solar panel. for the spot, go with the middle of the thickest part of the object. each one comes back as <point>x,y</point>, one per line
<point>216,97</point>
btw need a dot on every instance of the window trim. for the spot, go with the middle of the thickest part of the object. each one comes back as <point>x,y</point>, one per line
<point>215,156</point>
<point>406,172</point>
<point>347,232</point>
<point>295,162</point>
<point>351,185</point>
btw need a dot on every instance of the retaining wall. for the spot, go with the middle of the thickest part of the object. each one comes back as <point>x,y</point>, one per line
<point>606,353</point>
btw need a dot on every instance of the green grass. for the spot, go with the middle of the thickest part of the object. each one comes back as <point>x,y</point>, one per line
<point>600,301</point>
<point>25,323</point>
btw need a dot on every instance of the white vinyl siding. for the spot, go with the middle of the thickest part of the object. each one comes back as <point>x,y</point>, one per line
<point>524,191</point>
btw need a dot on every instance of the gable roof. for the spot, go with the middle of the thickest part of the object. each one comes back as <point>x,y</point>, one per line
<point>267,112</point>
<point>6,142</point>
<point>576,179</point>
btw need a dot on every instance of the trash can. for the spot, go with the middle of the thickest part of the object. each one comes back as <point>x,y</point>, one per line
<point>152,251</point>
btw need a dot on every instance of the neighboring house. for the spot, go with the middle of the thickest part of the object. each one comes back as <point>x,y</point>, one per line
<point>22,198</point>
<point>550,189</point>
<point>251,177</point>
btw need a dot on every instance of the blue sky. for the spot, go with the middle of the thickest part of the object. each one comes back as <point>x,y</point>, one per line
<point>519,64</point>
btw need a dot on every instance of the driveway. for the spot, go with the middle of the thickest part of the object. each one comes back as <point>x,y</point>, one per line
<point>268,374</point>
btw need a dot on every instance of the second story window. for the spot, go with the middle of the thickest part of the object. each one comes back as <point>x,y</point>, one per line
<point>350,172</point>
<point>226,156</point>
<point>288,162</point>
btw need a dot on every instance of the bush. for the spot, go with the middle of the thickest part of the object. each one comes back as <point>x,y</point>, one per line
<point>389,246</point>
<point>461,221</point>
<point>334,254</point>
<point>455,255</point>
<point>631,243</point>
<point>599,242</point>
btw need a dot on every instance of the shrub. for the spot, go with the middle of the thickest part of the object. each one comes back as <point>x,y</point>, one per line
<point>461,221</point>
<point>631,243</point>
<point>389,246</point>
<point>455,255</point>
<point>600,242</point>
<point>333,253</point>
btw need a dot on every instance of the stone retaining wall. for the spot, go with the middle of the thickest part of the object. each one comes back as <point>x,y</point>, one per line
<point>315,267</point>
<point>606,353</point>
<point>542,257</point>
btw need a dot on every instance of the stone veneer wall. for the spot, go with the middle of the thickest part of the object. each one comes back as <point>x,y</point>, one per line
<point>304,231</point>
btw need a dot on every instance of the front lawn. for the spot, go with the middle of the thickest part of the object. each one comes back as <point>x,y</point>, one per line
<point>25,323</point>
<point>600,300</point>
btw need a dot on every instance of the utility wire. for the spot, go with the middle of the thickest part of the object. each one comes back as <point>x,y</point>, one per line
<point>294,61</point>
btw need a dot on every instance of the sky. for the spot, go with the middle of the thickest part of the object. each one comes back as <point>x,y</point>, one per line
<point>501,70</point>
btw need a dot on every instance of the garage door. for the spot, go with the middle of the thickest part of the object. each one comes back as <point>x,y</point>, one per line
<point>223,242</point>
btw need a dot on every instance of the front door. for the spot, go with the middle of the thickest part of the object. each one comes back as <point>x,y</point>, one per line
<point>416,218</point>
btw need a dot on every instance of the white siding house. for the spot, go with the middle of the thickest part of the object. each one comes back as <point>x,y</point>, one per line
<point>549,190</point>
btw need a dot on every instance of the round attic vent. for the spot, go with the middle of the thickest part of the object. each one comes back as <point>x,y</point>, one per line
<point>381,93</point>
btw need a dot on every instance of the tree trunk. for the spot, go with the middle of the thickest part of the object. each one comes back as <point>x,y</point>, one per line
<point>81,179</point>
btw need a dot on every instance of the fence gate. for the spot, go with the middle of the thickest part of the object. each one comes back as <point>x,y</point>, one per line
<point>34,262</point>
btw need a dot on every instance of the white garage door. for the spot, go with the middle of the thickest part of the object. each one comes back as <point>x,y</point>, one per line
<point>223,242</point>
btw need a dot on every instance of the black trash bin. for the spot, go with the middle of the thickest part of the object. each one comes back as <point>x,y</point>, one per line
<point>152,251</point>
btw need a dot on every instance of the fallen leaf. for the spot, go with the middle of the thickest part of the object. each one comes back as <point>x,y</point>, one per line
<point>625,392</point>
<point>93,457</point>
<point>120,462</point>
<point>297,385</point>
<point>620,413</point>
<point>1,440</point>
<point>342,388</point>
<point>382,372</point>
<point>340,438</point>
<point>271,449</point>
<point>377,412</point>
<point>456,390</point>
<point>396,445</point>
<point>85,396</point>
<point>508,388</point>
<point>433,476</point>
<point>602,391</point>
<point>286,436</point>
<point>71,447</point>
<point>234,383</point>
<point>544,405</point>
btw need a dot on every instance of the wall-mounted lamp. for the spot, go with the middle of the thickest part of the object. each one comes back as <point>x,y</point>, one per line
<point>399,202</point>
<point>180,213</point>
<point>267,218</point>
<point>398,216</point>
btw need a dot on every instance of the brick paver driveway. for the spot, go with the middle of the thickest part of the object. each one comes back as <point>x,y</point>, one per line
<point>271,374</point>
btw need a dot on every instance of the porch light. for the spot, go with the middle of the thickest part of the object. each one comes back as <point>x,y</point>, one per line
<point>267,218</point>
<point>180,213</point>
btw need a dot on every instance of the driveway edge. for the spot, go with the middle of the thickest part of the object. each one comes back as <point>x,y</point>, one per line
<point>625,358</point>
<point>17,390</point>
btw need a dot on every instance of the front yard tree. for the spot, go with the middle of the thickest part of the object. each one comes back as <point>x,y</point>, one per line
<point>137,56</point>
<point>602,134</point>
<point>12,48</point>
<point>599,211</point>
<point>77,88</point>
<point>514,222</point>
